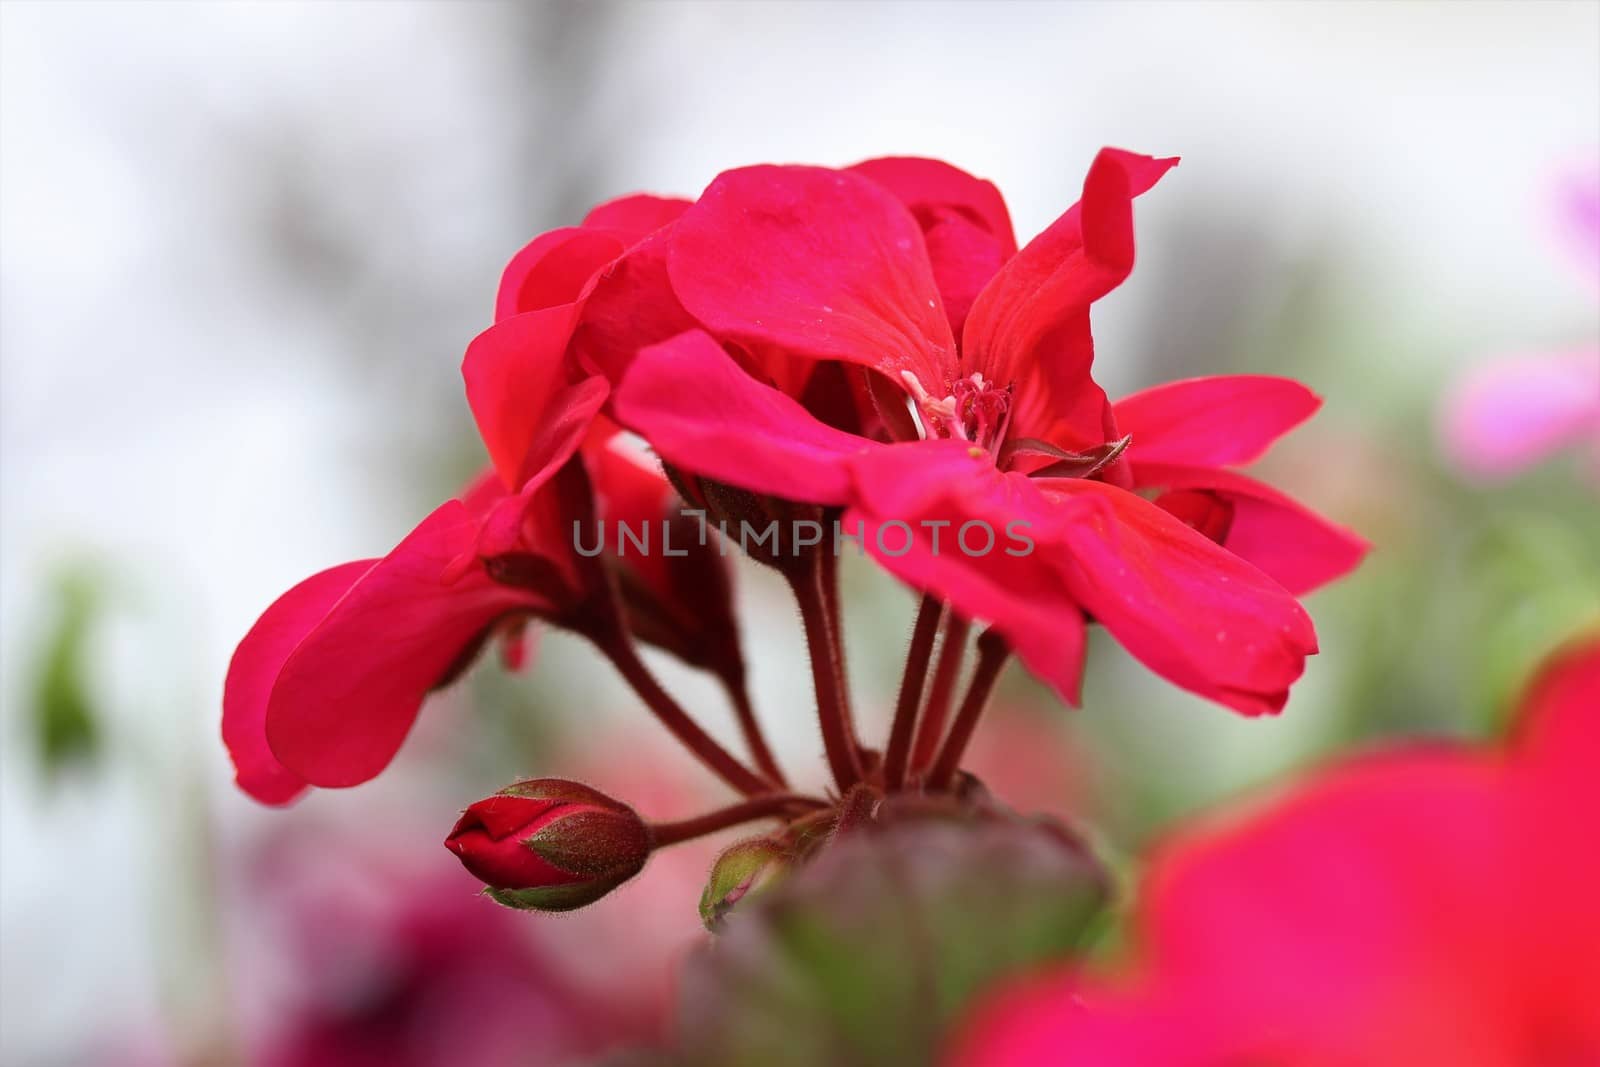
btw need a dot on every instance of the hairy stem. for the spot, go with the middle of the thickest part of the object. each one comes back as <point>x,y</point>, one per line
<point>618,648</point>
<point>898,754</point>
<point>992,655</point>
<point>828,562</point>
<point>772,805</point>
<point>945,672</point>
<point>833,705</point>
<point>750,727</point>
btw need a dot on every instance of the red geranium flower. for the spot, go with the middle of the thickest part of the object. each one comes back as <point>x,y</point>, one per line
<point>878,267</point>
<point>1430,905</point>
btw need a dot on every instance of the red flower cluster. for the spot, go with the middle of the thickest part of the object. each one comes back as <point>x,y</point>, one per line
<point>1430,905</point>
<point>866,347</point>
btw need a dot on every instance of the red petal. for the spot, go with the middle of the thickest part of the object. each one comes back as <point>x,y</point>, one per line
<point>530,418</point>
<point>637,216</point>
<point>914,501</point>
<point>637,496</point>
<point>1559,719</point>
<point>255,667</point>
<point>1197,615</point>
<point>932,184</point>
<point>349,692</point>
<point>553,268</point>
<point>1213,422</point>
<point>1029,326</point>
<point>1071,412</point>
<point>819,263</point>
<point>1419,906</point>
<point>630,304</point>
<point>1295,546</point>
<point>964,223</point>
<point>703,413</point>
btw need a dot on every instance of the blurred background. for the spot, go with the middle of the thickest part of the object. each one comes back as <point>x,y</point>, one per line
<point>243,246</point>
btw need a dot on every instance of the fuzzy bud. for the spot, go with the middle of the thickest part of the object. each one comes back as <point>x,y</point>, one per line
<point>549,844</point>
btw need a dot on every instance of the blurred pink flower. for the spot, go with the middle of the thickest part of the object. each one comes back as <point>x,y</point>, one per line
<point>1581,210</point>
<point>1507,415</point>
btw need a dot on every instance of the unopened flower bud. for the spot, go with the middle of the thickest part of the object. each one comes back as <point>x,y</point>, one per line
<point>736,871</point>
<point>549,844</point>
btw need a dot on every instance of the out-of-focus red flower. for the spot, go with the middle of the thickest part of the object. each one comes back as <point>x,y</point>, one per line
<point>550,844</point>
<point>1513,412</point>
<point>877,268</point>
<point>1430,905</point>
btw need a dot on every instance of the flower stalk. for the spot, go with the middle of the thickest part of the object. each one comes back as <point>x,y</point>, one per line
<point>897,756</point>
<point>833,702</point>
<point>775,805</point>
<point>625,657</point>
<point>937,713</point>
<point>754,737</point>
<point>992,655</point>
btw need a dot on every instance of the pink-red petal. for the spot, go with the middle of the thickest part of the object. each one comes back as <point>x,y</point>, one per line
<point>553,268</point>
<point>1292,544</point>
<point>964,223</point>
<point>630,304</point>
<point>530,415</point>
<point>932,185</point>
<point>636,216</point>
<point>254,669</point>
<point>1225,421</point>
<point>1029,326</point>
<point>701,412</point>
<point>1194,613</point>
<point>818,263</point>
<point>350,690</point>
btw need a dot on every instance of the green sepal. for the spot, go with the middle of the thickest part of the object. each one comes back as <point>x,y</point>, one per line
<point>735,873</point>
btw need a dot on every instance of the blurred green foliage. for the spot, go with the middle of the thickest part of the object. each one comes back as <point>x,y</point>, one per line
<point>64,724</point>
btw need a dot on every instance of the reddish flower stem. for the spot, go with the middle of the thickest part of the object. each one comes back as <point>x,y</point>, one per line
<point>992,655</point>
<point>618,648</point>
<point>750,727</point>
<point>829,563</point>
<point>937,712</point>
<point>772,805</point>
<point>833,706</point>
<point>898,754</point>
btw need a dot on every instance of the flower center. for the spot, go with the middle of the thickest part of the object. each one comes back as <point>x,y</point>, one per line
<point>974,409</point>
